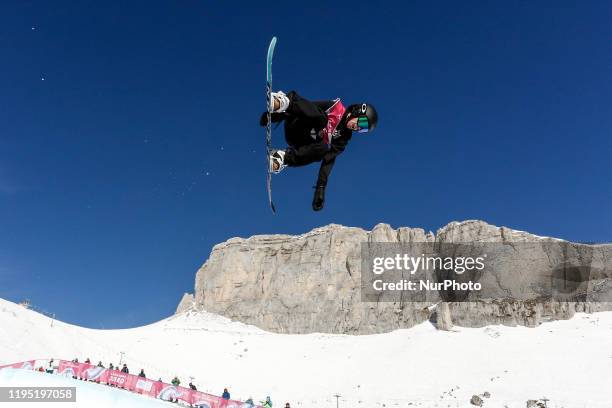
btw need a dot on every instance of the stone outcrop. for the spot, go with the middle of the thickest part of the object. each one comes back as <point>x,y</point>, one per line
<point>187,302</point>
<point>476,400</point>
<point>312,282</point>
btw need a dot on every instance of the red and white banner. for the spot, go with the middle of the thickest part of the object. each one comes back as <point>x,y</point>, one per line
<point>118,379</point>
<point>70,369</point>
<point>25,365</point>
<point>134,383</point>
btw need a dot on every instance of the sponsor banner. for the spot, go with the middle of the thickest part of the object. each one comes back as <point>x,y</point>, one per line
<point>94,373</point>
<point>145,386</point>
<point>157,387</point>
<point>117,379</point>
<point>69,369</point>
<point>201,399</point>
<point>184,394</point>
<point>25,365</point>
<point>168,392</point>
<point>140,385</point>
<point>232,403</point>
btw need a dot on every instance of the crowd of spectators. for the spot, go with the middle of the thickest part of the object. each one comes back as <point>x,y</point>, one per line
<point>267,403</point>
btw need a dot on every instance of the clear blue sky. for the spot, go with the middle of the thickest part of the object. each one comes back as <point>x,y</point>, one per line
<point>141,148</point>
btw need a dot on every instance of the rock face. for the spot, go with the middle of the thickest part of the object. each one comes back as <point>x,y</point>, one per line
<point>312,282</point>
<point>187,302</point>
<point>476,400</point>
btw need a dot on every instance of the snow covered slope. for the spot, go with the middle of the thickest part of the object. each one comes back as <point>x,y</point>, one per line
<point>569,362</point>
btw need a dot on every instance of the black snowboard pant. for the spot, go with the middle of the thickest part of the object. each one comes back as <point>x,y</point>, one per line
<point>303,116</point>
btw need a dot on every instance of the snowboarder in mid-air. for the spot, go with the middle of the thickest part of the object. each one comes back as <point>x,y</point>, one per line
<point>316,131</point>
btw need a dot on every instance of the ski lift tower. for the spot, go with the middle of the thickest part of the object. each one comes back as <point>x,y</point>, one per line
<point>337,400</point>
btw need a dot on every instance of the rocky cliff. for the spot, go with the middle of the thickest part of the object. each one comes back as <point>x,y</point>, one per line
<point>312,282</point>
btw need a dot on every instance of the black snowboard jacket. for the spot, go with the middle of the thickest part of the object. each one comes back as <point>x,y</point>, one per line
<point>303,121</point>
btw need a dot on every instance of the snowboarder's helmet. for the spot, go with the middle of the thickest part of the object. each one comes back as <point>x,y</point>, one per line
<point>366,115</point>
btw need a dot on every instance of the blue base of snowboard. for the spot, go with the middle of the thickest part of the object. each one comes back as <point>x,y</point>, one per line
<point>269,126</point>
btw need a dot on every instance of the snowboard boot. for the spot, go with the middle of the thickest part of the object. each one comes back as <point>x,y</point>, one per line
<point>281,100</point>
<point>277,161</point>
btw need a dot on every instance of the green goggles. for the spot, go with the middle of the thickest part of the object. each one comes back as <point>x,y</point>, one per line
<point>363,123</point>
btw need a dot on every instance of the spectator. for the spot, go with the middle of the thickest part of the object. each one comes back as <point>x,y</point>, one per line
<point>250,402</point>
<point>192,386</point>
<point>287,405</point>
<point>111,366</point>
<point>40,369</point>
<point>87,361</point>
<point>50,368</point>
<point>100,364</point>
<point>159,379</point>
<point>267,403</point>
<point>75,360</point>
<point>175,381</point>
<point>142,373</point>
<point>226,394</point>
<point>125,369</point>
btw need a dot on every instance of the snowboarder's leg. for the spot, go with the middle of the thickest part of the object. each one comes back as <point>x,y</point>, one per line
<point>297,133</point>
<point>306,112</point>
<point>303,155</point>
<point>295,157</point>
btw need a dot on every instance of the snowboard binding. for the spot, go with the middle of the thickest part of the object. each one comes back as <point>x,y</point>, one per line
<point>276,161</point>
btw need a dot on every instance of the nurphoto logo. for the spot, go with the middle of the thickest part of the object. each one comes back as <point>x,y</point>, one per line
<point>457,272</point>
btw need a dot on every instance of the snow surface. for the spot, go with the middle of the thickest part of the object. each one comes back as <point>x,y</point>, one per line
<point>569,362</point>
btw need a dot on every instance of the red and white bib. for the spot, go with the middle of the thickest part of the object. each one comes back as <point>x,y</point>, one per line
<point>334,115</point>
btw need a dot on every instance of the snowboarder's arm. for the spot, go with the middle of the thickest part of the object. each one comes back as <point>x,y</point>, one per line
<point>329,159</point>
<point>327,163</point>
<point>325,170</point>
